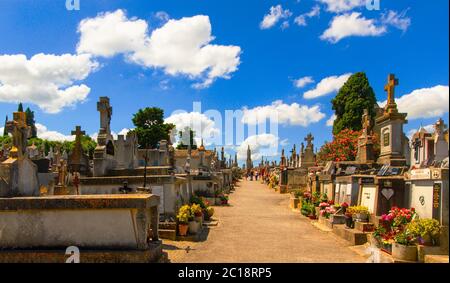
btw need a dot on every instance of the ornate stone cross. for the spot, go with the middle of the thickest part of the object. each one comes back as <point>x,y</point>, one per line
<point>309,138</point>
<point>78,134</point>
<point>390,88</point>
<point>20,133</point>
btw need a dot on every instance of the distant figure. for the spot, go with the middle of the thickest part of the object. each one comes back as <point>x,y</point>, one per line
<point>256,175</point>
<point>251,175</point>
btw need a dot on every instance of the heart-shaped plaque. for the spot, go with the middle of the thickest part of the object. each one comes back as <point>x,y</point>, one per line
<point>387,193</point>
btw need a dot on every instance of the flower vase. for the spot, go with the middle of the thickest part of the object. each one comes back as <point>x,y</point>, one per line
<point>183,229</point>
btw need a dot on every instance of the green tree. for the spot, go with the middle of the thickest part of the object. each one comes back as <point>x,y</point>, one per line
<point>31,122</point>
<point>20,108</point>
<point>150,127</point>
<point>184,137</point>
<point>349,104</point>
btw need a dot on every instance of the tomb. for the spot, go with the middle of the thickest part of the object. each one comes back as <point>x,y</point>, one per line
<point>393,142</point>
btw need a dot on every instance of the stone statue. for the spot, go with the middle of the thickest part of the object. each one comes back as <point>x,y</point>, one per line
<point>20,134</point>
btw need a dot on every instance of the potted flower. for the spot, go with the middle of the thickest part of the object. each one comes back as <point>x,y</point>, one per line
<point>344,207</point>
<point>223,200</point>
<point>361,213</point>
<point>194,226</point>
<point>349,223</point>
<point>323,205</point>
<point>426,231</point>
<point>404,247</point>
<point>183,219</point>
<point>196,210</point>
<point>327,212</point>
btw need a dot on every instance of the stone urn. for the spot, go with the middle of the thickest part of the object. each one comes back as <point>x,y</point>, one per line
<point>362,217</point>
<point>194,227</point>
<point>199,219</point>
<point>183,229</point>
<point>402,252</point>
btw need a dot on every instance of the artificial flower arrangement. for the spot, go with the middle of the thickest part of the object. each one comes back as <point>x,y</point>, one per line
<point>425,231</point>
<point>184,214</point>
<point>324,205</point>
<point>196,210</point>
<point>327,212</point>
<point>393,227</point>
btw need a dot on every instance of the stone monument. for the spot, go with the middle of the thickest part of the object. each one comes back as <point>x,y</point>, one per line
<point>391,129</point>
<point>18,174</point>
<point>365,145</point>
<point>308,156</point>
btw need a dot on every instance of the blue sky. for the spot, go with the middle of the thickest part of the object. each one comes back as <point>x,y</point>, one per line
<point>408,38</point>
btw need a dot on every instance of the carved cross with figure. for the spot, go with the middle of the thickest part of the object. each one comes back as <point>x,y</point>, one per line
<point>309,138</point>
<point>366,122</point>
<point>20,133</point>
<point>390,88</point>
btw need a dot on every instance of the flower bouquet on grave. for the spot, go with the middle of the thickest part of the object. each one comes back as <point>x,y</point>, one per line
<point>196,210</point>
<point>324,205</point>
<point>426,231</point>
<point>327,212</point>
<point>404,247</point>
<point>183,217</point>
<point>224,199</point>
<point>349,223</point>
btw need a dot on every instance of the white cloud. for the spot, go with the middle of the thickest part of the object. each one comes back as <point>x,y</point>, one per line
<point>179,47</point>
<point>424,102</point>
<point>351,25</point>
<point>261,145</point>
<point>202,126</point>
<point>44,133</point>
<point>124,132</point>
<point>45,80</point>
<point>276,13</point>
<point>301,82</point>
<point>301,20</point>
<point>337,6</point>
<point>293,114</point>
<point>330,121</point>
<point>327,86</point>
<point>397,20</point>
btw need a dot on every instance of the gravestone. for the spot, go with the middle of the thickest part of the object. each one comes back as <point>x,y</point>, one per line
<point>391,129</point>
<point>365,145</point>
<point>104,152</point>
<point>18,174</point>
<point>308,157</point>
<point>78,160</point>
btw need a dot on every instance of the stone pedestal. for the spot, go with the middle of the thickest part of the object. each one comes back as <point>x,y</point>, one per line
<point>18,177</point>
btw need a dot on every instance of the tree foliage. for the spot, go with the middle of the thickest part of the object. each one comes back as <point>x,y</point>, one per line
<point>344,147</point>
<point>150,127</point>
<point>31,122</point>
<point>349,104</point>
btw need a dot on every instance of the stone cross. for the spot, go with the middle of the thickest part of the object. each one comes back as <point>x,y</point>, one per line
<point>390,88</point>
<point>20,133</point>
<point>105,110</point>
<point>309,138</point>
<point>416,145</point>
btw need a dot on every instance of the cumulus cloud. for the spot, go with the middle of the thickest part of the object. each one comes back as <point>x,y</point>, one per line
<point>44,133</point>
<point>46,80</point>
<point>337,6</point>
<point>301,20</point>
<point>330,121</point>
<point>261,145</point>
<point>202,125</point>
<point>301,82</point>
<point>289,114</point>
<point>351,25</point>
<point>179,47</point>
<point>326,86</point>
<point>124,132</point>
<point>398,20</point>
<point>275,14</point>
<point>424,102</point>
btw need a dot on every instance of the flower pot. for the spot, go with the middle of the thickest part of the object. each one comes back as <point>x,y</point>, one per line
<point>199,219</point>
<point>183,229</point>
<point>194,227</point>
<point>349,222</point>
<point>362,217</point>
<point>386,247</point>
<point>402,252</point>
